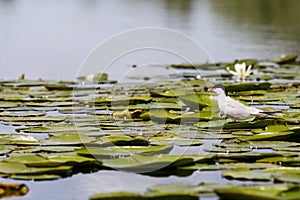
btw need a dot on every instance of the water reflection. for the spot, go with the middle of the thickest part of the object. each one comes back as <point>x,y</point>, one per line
<point>279,17</point>
<point>178,12</point>
<point>51,38</point>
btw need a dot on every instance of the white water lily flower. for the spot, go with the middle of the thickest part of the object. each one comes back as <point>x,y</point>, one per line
<point>241,71</point>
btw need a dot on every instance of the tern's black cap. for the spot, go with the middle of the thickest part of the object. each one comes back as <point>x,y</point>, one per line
<point>222,87</point>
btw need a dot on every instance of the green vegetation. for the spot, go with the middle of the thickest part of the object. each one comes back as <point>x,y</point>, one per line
<point>64,128</point>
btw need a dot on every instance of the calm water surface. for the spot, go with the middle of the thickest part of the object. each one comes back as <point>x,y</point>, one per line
<point>50,40</point>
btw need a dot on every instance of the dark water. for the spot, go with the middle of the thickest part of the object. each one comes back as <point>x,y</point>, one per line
<point>50,40</point>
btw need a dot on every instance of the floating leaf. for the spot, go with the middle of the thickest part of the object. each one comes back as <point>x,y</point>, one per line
<point>22,114</point>
<point>197,101</point>
<point>227,166</point>
<point>34,119</point>
<point>268,136</point>
<point>54,103</point>
<point>121,100</point>
<point>113,152</point>
<point>56,129</point>
<point>6,105</point>
<point>247,86</point>
<point>267,192</point>
<point>242,173</point>
<point>43,177</point>
<point>196,117</point>
<point>121,140</point>
<point>68,139</point>
<point>276,128</point>
<point>138,163</point>
<point>161,116</point>
<point>58,86</point>
<point>257,144</point>
<point>168,93</point>
<point>19,139</point>
<point>116,196</point>
<point>288,177</point>
<point>228,150</point>
<point>263,175</point>
<point>15,168</point>
<point>247,125</point>
<point>199,189</point>
<point>286,59</point>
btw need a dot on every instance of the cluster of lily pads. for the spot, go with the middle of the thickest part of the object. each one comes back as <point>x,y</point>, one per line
<point>65,127</point>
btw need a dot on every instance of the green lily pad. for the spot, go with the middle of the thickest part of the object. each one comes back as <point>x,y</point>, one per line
<point>251,93</point>
<point>67,139</point>
<point>47,149</point>
<point>276,128</point>
<point>228,150</point>
<point>262,175</point>
<point>211,124</point>
<point>287,177</point>
<point>114,152</point>
<point>286,59</point>
<point>296,105</point>
<point>6,105</point>
<point>258,144</point>
<point>138,163</point>
<point>121,100</point>
<point>148,195</point>
<point>247,125</point>
<point>197,101</point>
<point>266,192</point>
<point>173,187</point>
<point>43,177</point>
<point>168,93</point>
<point>15,168</point>
<point>178,195</point>
<point>54,103</point>
<point>289,149</point>
<point>58,86</point>
<point>280,159</point>
<point>22,114</point>
<point>227,166</point>
<point>57,129</point>
<point>248,157</point>
<point>247,86</point>
<point>198,189</point>
<point>26,83</point>
<point>34,119</point>
<point>18,139</point>
<point>32,160</point>
<point>196,117</point>
<point>242,173</point>
<point>121,140</point>
<point>268,136</point>
<point>116,196</point>
<point>161,116</point>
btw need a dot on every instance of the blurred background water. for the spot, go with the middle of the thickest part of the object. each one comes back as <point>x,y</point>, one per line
<point>50,39</point>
